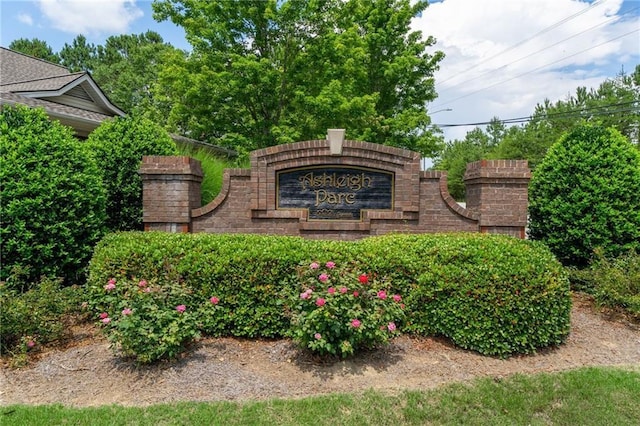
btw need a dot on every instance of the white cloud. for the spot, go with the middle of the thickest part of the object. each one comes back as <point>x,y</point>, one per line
<point>25,18</point>
<point>91,17</point>
<point>503,56</point>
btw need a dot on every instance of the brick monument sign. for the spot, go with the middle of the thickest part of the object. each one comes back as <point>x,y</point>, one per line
<point>334,189</point>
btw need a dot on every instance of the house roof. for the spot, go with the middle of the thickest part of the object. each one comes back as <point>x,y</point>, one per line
<point>72,98</point>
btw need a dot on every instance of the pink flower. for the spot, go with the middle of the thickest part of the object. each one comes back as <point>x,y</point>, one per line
<point>320,301</point>
<point>363,278</point>
<point>397,298</point>
<point>314,265</point>
<point>355,323</point>
<point>104,315</point>
<point>331,290</point>
<point>382,294</point>
<point>31,344</point>
<point>110,285</point>
<point>181,308</point>
<point>323,277</point>
<point>318,336</point>
<point>330,265</point>
<point>142,284</point>
<point>304,295</point>
<point>127,311</point>
<point>147,290</point>
<point>356,294</point>
<point>214,300</point>
<point>391,326</point>
<point>343,290</point>
<point>106,320</point>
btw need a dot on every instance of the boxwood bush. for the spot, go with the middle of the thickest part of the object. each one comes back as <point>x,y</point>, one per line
<point>584,196</point>
<point>493,294</point>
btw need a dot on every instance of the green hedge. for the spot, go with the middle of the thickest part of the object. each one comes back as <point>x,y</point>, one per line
<point>493,294</point>
<point>52,201</point>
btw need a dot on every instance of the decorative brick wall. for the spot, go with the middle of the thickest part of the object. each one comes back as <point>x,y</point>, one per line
<point>248,201</point>
<point>170,191</point>
<point>497,192</point>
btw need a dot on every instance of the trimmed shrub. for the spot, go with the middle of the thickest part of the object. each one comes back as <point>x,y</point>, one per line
<point>118,145</point>
<point>493,294</point>
<point>53,201</point>
<point>584,195</point>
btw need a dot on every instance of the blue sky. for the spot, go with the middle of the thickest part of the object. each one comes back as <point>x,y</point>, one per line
<point>502,56</point>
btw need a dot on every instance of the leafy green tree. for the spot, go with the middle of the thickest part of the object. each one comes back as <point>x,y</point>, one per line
<point>118,145</point>
<point>126,67</point>
<point>53,201</point>
<point>79,56</point>
<point>456,155</point>
<point>269,72</point>
<point>584,195</point>
<point>36,48</point>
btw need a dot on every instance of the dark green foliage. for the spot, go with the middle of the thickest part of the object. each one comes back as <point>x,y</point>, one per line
<point>118,146</point>
<point>40,315</point>
<point>584,195</point>
<point>493,294</point>
<point>53,203</point>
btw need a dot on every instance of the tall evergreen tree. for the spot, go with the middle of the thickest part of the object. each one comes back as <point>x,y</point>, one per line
<point>36,48</point>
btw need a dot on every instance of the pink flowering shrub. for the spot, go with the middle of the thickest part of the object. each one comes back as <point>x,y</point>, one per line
<point>339,311</point>
<point>151,321</point>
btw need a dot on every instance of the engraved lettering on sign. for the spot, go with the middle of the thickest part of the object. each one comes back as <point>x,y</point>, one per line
<point>335,192</point>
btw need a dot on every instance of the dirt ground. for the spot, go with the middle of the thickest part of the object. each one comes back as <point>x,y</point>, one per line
<point>87,373</point>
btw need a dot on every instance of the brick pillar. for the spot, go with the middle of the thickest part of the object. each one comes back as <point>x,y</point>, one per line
<point>170,190</point>
<point>497,191</point>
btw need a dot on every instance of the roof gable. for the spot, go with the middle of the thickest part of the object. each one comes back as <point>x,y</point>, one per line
<point>72,98</point>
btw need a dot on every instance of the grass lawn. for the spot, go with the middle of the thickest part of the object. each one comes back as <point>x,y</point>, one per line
<point>587,396</point>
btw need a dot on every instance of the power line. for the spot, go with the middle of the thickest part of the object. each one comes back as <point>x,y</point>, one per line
<point>521,42</point>
<point>536,52</point>
<point>536,69</point>
<point>579,113</point>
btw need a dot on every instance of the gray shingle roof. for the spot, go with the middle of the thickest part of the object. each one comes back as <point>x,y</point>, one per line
<point>16,67</point>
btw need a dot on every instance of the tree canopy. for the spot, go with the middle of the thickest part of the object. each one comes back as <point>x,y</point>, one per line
<point>36,48</point>
<point>269,72</point>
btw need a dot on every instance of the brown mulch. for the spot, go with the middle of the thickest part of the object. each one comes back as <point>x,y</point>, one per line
<point>87,373</point>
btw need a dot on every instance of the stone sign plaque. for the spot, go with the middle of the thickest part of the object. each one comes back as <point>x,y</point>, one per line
<point>335,192</point>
